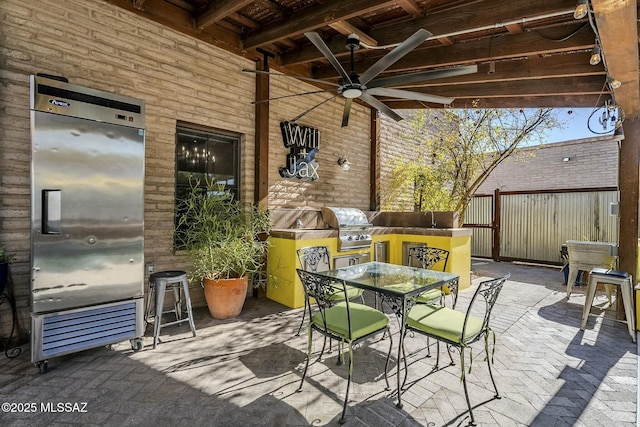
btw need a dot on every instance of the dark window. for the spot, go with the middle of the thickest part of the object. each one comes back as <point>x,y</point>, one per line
<point>202,155</point>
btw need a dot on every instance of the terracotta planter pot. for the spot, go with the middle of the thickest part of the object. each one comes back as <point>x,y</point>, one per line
<point>225,297</point>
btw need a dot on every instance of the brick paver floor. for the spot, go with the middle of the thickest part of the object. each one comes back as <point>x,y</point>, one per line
<point>246,372</point>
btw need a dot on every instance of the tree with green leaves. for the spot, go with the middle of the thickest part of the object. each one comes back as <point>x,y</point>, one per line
<point>456,150</point>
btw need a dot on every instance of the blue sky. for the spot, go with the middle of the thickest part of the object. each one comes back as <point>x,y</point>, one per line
<point>576,125</point>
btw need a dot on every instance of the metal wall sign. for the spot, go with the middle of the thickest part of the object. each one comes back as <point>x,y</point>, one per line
<point>303,143</point>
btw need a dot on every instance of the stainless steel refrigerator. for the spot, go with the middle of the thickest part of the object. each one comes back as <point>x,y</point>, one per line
<point>87,219</point>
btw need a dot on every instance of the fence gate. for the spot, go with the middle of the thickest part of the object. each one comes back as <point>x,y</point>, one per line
<point>532,226</point>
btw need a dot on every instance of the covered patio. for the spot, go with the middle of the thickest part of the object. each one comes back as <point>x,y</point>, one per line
<point>188,61</point>
<point>246,371</point>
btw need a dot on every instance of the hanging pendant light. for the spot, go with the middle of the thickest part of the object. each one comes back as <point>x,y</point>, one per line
<point>582,8</point>
<point>596,55</point>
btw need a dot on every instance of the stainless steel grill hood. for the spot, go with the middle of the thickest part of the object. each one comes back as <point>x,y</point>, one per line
<point>354,230</point>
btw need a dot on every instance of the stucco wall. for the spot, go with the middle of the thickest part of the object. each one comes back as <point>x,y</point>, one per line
<point>104,47</point>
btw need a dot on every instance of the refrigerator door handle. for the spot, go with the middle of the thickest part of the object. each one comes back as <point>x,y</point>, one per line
<point>51,211</point>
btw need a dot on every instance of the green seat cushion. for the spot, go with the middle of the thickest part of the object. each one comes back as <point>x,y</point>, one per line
<point>442,322</point>
<point>429,295</point>
<point>351,293</point>
<point>365,320</point>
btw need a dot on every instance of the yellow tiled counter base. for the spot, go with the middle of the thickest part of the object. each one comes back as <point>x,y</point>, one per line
<point>637,298</point>
<point>459,253</point>
<point>283,284</point>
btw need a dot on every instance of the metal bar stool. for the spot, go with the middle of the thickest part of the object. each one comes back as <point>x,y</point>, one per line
<point>611,277</point>
<point>159,283</point>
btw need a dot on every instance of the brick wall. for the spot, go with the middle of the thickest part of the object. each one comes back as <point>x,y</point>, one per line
<point>593,163</point>
<point>335,186</point>
<point>104,47</point>
<point>398,142</point>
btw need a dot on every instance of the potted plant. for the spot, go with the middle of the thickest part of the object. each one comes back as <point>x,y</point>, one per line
<point>5,259</point>
<point>226,243</point>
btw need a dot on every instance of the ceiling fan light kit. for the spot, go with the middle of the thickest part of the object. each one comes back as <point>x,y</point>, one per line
<point>352,92</point>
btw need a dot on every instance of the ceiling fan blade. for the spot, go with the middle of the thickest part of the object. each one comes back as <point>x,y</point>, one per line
<point>345,112</point>
<point>312,108</point>
<point>390,58</point>
<point>324,49</point>
<point>405,94</point>
<point>421,76</point>
<point>291,96</point>
<point>380,106</point>
<point>309,79</point>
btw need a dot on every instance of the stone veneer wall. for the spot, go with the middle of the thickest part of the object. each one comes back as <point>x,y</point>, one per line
<point>105,47</point>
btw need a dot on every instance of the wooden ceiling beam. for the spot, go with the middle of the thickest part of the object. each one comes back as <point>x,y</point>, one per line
<point>515,28</point>
<point>218,10</point>
<point>411,7</point>
<point>344,27</point>
<point>313,18</point>
<point>138,4</point>
<point>270,5</point>
<point>507,47</point>
<point>617,26</point>
<point>243,20</point>
<point>555,101</point>
<point>180,20</point>
<point>534,67</point>
<point>564,86</point>
<point>482,14</point>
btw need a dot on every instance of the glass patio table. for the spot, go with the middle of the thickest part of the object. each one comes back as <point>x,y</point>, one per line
<point>398,286</point>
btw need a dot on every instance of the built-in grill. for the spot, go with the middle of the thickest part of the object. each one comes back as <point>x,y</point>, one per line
<point>354,230</point>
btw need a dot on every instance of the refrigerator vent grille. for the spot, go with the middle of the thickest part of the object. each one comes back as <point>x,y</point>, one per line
<point>69,332</point>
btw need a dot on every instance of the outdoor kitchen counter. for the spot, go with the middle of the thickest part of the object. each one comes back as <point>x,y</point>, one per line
<point>283,284</point>
<point>304,234</point>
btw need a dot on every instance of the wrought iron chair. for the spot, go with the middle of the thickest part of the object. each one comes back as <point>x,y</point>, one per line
<point>459,330</point>
<point>428,258</point>
<point>346,322</point>
<point>314,259</point>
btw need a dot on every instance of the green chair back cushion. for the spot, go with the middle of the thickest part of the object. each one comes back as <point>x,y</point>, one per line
<point>442,322</point>
<point>429,295</point>
<point>350,291</point>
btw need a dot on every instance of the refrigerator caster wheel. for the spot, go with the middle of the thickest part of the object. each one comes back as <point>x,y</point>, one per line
<point>137,344</point>
<point>43,366</point>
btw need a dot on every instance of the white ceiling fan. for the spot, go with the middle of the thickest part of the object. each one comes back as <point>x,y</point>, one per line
<point>366,86</point>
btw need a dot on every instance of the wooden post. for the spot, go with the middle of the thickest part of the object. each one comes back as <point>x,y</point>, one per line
<point>374,166</point>
<point>629,183</point>
<point>495,247</point>
<point>261,189</point>
<point>261,177</point>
